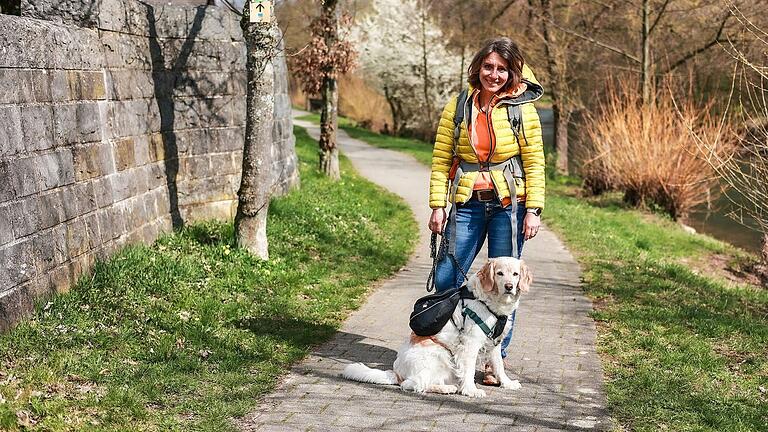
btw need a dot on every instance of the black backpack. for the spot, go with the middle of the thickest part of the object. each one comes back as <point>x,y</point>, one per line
<point>432,312</point>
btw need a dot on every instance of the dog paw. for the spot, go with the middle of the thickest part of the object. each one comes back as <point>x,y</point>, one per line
<point>511,384</point>
<point>473,392</point>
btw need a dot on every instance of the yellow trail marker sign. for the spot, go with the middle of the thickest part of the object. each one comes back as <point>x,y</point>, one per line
<point>261,11</point>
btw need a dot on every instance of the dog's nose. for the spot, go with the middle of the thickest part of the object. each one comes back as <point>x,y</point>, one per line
<point>509,287</point>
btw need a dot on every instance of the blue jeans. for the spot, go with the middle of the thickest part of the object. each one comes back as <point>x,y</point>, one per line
<point>475,221</point>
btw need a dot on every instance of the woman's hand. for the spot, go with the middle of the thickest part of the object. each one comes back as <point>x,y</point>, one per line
<point>437,220</point>
<point>531,225</point>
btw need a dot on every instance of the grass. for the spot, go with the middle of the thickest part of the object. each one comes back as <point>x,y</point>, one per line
<point>187,333</point>
<point>682,351</point>
<point>419,149</point>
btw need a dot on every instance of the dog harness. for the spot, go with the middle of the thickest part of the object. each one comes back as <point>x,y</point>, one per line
<point>479,312</point>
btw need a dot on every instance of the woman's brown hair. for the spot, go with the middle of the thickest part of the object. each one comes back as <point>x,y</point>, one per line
<point>509,51</point>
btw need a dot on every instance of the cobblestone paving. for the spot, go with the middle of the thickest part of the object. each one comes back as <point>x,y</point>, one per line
<point>552,352</point>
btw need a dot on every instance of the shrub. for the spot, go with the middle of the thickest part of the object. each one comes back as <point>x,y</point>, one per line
<point>645,150</point>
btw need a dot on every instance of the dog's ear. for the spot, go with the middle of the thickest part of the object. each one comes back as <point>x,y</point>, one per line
<point>485,275</point>
<point>526,277</point>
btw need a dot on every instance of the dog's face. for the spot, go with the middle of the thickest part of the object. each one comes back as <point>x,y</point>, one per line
<point>505,278</point>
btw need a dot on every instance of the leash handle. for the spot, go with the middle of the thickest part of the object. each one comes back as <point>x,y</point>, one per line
<point>436,256</point>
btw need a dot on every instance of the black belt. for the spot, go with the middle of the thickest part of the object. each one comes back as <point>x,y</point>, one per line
<point>484,195</point>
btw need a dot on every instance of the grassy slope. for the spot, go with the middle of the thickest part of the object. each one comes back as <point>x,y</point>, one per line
<point>186,333</point>
<point>681,351</point>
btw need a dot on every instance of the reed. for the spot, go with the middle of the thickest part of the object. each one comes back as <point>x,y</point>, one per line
<point>647,152</point>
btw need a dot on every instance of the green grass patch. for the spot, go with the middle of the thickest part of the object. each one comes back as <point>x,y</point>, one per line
<point>188,332</point>
<point>682,351</point>
<point>419,149</point>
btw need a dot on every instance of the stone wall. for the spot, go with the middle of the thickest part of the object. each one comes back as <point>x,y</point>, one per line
<point>115,132</point>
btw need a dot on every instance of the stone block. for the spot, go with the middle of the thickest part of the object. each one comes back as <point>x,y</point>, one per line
<point>77,238</point>
<point>89,122</point>
<point>131,118</point>
<point>24,176</point>
<point>157,145</point>
<point>51,210</point>
<point>131,84</point>
<point>6,186</point>
<point>238,83</point>
<point>238,105</point>
<point>124,51</point>
<point>25,43</point>
<point>56,169</point>
<point>19,262</point>
<point>125,16</point>
<point>85,197</point>
<point>92,160</point>
<point>86,85</point>
<point>59,279</point>
<point>222,163</point>
<point>125,154</point>
<point>58,81</point>
<point>121,185</point>
<point>40,83</point>
<point>168,21</point>
<point>6,229</point>
<point>103,190</point>
<point>9,86</point>
<point>65,124</point>
<point>25,216</point>
<point>68,201</point>
<point>37,127</point>
<point>15,304</point>
<point>45,257</point>
<point>228,139</point>
<point>93,231</point>
<point>156,175</point>
<point>59,244</point>
<point>141,150</point>
<point>200,141</point>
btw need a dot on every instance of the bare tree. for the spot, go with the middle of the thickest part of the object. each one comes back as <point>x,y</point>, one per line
<point>746,171</point>
<point>261,40</point>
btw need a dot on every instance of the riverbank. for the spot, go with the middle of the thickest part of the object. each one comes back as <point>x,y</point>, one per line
<point>682,337</point>
<point>187,333</point>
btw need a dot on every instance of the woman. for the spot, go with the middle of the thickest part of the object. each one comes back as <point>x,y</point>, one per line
<point>498,189</point>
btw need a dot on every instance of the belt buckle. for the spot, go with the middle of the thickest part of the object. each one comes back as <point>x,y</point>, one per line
<point>485,195</point>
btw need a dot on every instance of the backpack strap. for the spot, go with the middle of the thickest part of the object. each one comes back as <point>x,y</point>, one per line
<point>458,115</point>
<point>515,117</point>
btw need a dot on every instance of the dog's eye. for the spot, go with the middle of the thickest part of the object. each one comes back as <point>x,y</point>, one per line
<point>500,273</point>
<point>515,274</point>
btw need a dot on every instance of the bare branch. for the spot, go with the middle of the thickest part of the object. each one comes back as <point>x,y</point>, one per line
<point>717,39</point>
<point>596,42</point>
<point>658,17</point>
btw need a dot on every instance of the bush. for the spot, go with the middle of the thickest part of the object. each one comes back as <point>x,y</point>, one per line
<point>646,151</point>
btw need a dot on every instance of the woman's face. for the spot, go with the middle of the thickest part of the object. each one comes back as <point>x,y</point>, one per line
<point>494,72</point>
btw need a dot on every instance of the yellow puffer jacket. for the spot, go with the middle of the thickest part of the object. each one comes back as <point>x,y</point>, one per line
<point>531,150</point>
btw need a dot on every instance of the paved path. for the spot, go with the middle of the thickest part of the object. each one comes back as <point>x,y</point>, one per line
<point>552,353</point>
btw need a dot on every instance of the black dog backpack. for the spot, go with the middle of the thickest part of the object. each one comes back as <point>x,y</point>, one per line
<point>431,313</point>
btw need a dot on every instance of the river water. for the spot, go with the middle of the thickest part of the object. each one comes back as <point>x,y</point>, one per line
<point>715,222</point>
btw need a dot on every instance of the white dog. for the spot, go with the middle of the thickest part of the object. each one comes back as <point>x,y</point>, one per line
<point>445,363</point>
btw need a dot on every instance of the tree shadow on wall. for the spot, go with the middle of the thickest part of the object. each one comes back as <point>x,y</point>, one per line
<point>168,76</point>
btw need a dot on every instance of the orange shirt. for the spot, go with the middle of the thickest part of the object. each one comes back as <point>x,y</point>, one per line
<point>484,143</point>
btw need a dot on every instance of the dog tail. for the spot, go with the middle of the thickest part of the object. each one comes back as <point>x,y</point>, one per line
<point>362,373</point>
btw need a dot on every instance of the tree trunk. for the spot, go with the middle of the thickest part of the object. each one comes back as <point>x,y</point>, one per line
<point>559,87</point>
<point>425,65</point>
<point>256,182</point>
<point>561,137</point>
<point>645,80</point>
<point>329,152</point>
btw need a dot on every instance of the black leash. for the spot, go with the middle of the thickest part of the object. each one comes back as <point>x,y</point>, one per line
<point>438,255</point>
